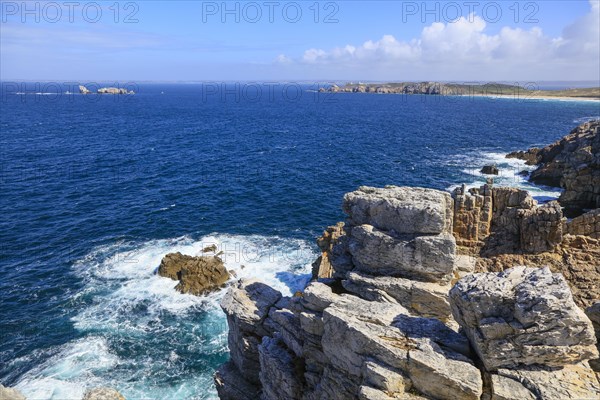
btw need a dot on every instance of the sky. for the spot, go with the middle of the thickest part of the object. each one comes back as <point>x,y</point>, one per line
<point>516,41</point>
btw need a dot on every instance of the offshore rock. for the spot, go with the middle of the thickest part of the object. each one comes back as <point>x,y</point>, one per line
<point>490,170</point>
<point>196,275</point>
<point>103,393</point>
<point>522,316</point>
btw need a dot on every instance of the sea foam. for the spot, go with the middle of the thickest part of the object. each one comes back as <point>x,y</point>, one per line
<point>141,336</point>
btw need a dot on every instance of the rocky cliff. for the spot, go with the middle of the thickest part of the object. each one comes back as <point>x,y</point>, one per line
<point>572,163</point>
<point>401,315</point>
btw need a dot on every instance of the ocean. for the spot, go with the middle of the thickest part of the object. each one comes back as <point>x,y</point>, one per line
<point>95,190</point>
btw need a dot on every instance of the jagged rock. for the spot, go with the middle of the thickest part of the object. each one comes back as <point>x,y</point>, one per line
<point>247,305</point>
<point>103,393</point>
<point>280,371</point>
<point>428,258</point>
<point>541,228</point>
<point>545,383</point>
<point>231,385</point>
<point>472,215</point>
<point>572,163</point>
<point>420,298</point>
<point>490,170</point>
<point>400,209</point>
<point>576,258</point>
<point>587,224</point>
<point>196,275</point>
<point>522,316</point>
<point>593,313</point>
<point>424,349</point>
<point>329,245</point>
<point>10,394</point>
<point>318,296</point>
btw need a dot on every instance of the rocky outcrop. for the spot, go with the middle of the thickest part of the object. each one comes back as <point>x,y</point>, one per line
<point>501,220</point>
<point>532,339</point>
<point>10,394</point>
<point>103,393</point>
<point>522,316</point>
<point>381,324</point>
<point>328,243</point>
<point>538,382</point>
<point>587,224</point>
<point>572,163</point>
<point>196,275</point>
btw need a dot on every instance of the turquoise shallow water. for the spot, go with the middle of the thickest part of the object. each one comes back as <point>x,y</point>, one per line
<point>94,193</point>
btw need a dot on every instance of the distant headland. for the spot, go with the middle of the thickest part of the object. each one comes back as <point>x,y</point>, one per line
<point>455,89</point>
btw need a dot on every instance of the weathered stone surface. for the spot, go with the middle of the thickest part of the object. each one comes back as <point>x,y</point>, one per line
<point>572,163</point>
<point>196,275</point>
<point>247,305</point>
<point>577,258</point>
<point>541,228</point>
<point>472,215</point>
<point>420,298</point>
<point>280,371</point>
<point>593,313</point>
<point>329,245</point>
<point>231,385</point>
<point>318,296</point>
<point>400,209</point>
<point>424,349</point>
<point>103,393</point>
<point>10,394</point>
<point>427,258</point>
<point>522,316</point>
<point>537,382</point>
<point>587,224</point>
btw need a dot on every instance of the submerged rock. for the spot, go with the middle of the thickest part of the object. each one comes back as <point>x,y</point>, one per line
<point>196,275</point>
<point>103,393</point>
<point>522,316</point>
<point>10,394</point>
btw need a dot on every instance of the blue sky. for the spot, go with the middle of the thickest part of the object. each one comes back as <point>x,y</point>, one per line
<point>345,40</point>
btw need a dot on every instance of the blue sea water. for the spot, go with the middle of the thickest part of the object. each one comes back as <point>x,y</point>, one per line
<point>94,190</point>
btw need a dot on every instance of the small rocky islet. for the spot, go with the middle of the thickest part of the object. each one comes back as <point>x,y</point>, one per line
<point>480,293</point>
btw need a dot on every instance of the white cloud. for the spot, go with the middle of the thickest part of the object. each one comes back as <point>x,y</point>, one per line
<point>465,46</point>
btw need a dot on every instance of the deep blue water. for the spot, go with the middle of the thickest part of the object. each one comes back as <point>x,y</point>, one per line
<point>95,190</point>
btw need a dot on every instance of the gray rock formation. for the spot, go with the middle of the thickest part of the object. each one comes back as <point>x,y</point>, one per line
<point>537,382</point>
<point>196,275</point>
<point>400,209</point>
<point>522,316</point>
<point>572,163</point>
<point>381,325</point>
